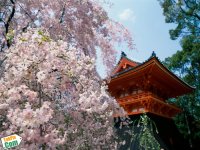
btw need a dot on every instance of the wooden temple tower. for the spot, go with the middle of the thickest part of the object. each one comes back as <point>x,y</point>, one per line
<point>144,88</point>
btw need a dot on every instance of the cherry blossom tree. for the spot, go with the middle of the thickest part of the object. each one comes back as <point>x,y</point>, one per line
<point>51,96</point>
<point>50,92</point>
<point>81,23</point>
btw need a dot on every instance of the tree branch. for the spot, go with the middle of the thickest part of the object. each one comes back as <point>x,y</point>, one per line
<point>62,14</point>
<point>195,14</point>
<point>1,62</point>
<point>7,22</point>
<point>2,46</point>
<point>27,13</point>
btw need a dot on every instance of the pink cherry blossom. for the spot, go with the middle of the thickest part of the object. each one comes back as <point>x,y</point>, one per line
<point>83,24</point>
<point>54,96</point>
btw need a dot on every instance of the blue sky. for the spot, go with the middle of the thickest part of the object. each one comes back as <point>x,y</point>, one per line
<point>145,21</point>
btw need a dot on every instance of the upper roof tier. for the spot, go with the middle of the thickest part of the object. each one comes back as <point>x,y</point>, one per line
<point>150,75</point>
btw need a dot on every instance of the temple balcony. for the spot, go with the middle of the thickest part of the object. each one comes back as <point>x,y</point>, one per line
<point>147,102</point>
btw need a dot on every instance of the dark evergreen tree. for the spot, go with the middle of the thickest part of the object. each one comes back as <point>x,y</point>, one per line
<point>185,14</point>
<point>186,62</point>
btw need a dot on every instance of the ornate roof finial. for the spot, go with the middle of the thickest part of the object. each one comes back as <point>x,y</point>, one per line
<point>153,54</point>
<point>123,54</point>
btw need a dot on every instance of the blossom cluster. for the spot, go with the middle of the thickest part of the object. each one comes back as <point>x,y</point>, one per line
<point>51,95</point>
<point>81,23</point>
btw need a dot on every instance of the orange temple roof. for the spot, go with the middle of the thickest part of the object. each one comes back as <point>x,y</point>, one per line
<point>151,73</point>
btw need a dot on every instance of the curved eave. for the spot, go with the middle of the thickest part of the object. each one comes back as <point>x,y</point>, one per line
<point>157,70</point>
<point>165,69</point>
<point>122,61</point>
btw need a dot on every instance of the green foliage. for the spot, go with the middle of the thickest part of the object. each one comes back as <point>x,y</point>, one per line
<point>10,36</point>
<point>186,62</point>
<point>23,39</point>
<point>44,37</point>
<point>145,136</point>
<point>185,14</point>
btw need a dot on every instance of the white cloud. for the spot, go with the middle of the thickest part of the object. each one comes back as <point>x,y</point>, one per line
<point>127,14</point>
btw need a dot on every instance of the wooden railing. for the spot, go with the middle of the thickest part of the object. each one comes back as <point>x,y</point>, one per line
<point>148,102</point>
<point>139,96</point>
